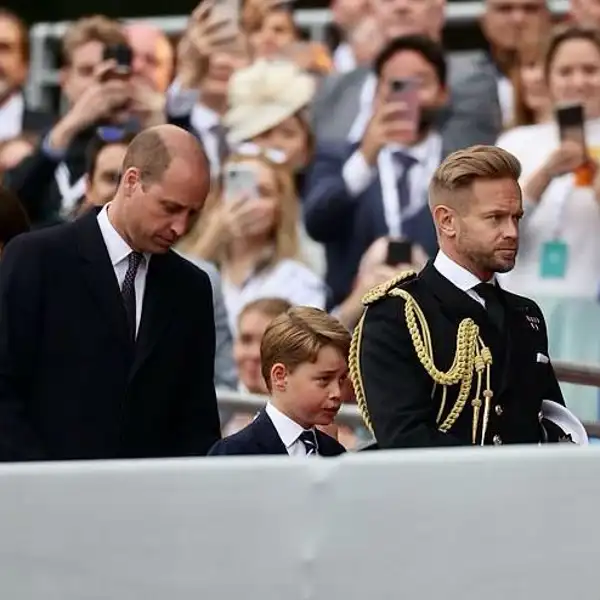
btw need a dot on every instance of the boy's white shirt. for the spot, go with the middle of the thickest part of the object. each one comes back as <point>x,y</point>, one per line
<point>288,430</point>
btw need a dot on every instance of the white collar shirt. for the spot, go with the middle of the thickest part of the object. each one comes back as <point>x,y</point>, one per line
<point>118,252</point>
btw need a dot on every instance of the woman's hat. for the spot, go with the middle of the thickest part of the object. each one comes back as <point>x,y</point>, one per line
<point>264,95</point>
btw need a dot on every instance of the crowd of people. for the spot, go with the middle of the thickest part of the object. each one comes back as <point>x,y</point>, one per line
<point>321,156</point>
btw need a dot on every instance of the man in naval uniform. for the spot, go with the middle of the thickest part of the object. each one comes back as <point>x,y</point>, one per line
<point>446,357</point>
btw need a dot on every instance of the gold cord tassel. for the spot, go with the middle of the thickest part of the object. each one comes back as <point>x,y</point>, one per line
<point>470,355</point>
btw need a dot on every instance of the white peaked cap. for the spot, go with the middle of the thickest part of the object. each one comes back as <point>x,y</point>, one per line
<point>562,417</point>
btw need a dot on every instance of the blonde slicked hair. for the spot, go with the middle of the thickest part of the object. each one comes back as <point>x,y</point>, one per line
<point>461,169</point>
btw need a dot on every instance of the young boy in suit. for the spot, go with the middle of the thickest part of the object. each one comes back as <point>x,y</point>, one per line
<point>304,363</point>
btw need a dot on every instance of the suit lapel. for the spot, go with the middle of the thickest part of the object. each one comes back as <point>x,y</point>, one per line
<point>514,342</point>
<point>352,101</point>
<point>99,275</point>
<point>455,303</point>
<point>327,446</point>
<point>375,205</point>
<point>267,437</point>
<point>157,308</point>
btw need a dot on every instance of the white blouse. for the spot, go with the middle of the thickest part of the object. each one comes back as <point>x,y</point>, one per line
<point>288,279</point>
<point>565,212</point>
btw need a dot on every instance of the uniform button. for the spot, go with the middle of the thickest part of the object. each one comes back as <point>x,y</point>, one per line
<point>498,409</point>
<point>497,440</point>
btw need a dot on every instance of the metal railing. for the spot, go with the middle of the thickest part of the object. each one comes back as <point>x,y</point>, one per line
<point>578,374</point>
<point>349,415</point>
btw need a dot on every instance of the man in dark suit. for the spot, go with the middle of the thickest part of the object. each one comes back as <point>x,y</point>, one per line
<point>107,337</point>
<point>446,357</point>
<point>359,192</point>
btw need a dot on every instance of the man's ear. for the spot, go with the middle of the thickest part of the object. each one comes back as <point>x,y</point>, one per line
<point>446,221</point>
<point>130,180</point>
<point>279,377</point>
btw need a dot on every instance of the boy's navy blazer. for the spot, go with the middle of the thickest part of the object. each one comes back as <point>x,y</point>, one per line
<point>261,437</point>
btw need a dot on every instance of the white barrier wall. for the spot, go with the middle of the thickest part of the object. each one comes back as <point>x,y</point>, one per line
<point>499,524</point>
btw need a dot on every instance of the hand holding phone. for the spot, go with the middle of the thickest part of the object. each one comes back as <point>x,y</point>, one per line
<point>573,151</point>
<point>399,252</point>
<point>396,119</point>
<point>240,181</point>
<point>404,92</point>
<point>122,55</point>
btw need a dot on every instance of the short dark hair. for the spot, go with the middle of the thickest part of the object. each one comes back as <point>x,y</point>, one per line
<point>430,50</point>
<point>13,218</point>
<point>9,15</point>
<point>96,145</point>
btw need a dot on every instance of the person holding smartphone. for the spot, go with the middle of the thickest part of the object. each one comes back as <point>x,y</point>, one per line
<point>95,80</point>
<point>560,254</point>
<point>250,230</point>
<point>357,193</point>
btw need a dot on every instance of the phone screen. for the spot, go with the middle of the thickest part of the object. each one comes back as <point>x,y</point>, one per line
<point>226,12</point>
<point>571,123</point>
<point>405,91</point>
<point>399,252</point>
<point>240,181</point>
<point>122,54</point>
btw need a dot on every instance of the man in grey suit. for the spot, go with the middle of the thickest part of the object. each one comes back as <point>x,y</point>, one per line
<point>344,103</point>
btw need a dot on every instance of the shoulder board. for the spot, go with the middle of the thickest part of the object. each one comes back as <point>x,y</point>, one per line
<point>383,289</point>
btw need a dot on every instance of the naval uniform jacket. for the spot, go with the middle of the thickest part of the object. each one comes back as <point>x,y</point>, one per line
<point>399,393</point>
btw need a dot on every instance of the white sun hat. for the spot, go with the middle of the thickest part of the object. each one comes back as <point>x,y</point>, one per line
<point>264,95</point>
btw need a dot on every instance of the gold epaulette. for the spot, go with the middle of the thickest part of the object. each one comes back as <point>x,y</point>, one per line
<point>383,289</point>
<point>472,357</point>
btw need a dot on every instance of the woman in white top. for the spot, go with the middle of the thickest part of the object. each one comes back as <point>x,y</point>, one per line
<point>253,237</point>
<point>559,252</point>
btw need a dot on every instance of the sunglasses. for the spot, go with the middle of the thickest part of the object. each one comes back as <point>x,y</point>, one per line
<point>250,150</point>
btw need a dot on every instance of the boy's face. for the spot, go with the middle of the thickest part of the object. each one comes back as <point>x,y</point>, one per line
<point>313,391</point>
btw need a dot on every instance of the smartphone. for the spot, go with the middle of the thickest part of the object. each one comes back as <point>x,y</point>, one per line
<point>571,127</point>
<point>240,180</point>
<point>122,54</point>
<point>406,92</point>
<point>571,123</point>
<point>226,12</point>
<point>399,252</point>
